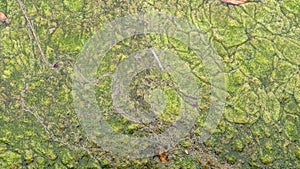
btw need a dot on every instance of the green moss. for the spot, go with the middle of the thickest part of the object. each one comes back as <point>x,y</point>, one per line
<point>40,161</point>
<point>68,159</point>
<point>291,107</point>
<point>292,6</point>
<point>232,35</point>
<point>238,145</point>
<point>292,130</point>
<point>29,156</point>
<point>297,153</point>
<point>186,144</point>
<point>10,159</point>
<point>271,111</point>
<point>266,159</point>
<point>231,159</point>
<point>172,107</point>
<point>2,147</point>
<point>74,6</point>
<point>133,127</point>
<point>246,107</point>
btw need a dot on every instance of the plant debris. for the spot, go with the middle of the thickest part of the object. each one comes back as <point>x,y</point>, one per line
<point>4,19</point>
<point>234,2</point>
<point>163,157</point>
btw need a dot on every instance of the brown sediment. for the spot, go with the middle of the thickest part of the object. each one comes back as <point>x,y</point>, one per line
<point>162,156</point>
<point>4,19</point>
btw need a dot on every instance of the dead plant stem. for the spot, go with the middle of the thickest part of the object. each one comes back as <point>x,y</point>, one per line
<point>35,38</point>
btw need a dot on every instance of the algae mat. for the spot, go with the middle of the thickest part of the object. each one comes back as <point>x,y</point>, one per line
<point>258,44</point>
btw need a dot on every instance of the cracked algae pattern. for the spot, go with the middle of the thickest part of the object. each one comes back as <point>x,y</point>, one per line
<point>258,42</point>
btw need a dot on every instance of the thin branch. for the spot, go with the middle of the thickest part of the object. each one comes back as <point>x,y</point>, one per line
<point>157,59</point>
<point>33,32</point>
<point>41,121</point>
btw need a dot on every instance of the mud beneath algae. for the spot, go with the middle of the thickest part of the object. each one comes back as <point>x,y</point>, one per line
<point>259,45</point>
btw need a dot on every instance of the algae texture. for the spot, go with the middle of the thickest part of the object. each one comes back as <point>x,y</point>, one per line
<point>258,42</point>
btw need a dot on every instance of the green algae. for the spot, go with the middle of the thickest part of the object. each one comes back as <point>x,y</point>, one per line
<point>260,49</point>
<point>10,159</point>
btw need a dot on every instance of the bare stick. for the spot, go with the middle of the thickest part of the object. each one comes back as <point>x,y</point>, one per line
<point>41,121</point>
<point>157,59</point>
<point>32,31</point>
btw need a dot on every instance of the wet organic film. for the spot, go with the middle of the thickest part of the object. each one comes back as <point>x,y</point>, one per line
<point>259,46</point>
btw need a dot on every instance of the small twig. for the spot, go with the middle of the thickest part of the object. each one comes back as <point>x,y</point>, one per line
<point>33,32</point>
<point>157,59</point>
<point>41,121</point>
